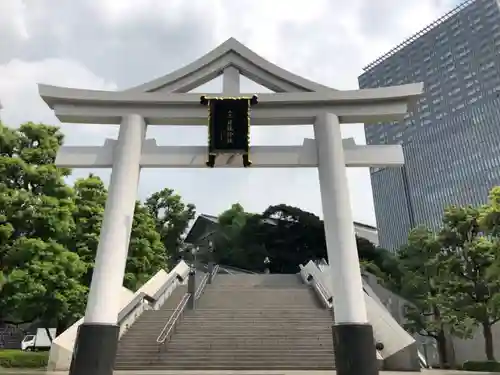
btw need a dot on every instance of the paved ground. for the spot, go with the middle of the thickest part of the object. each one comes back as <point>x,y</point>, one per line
<point>271,372</point>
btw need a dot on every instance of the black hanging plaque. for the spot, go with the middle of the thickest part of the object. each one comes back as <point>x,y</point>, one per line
<point>228,127</point>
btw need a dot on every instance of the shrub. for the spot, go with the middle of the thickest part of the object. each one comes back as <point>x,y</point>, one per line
<point>484,366</point>
<point>20,359</point>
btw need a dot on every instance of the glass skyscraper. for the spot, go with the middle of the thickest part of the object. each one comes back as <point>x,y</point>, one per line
<point>451,141</point>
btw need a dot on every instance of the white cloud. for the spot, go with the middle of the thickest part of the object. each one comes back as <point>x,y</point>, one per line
<point>94,43</point>
<point>12,19</point>
<point>22,103</point>
<point>123,11</point>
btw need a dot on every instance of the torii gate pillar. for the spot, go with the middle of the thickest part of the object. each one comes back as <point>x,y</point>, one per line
<point>352,334</point>
<point>97,337</point>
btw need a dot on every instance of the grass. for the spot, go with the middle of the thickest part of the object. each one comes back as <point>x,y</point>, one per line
<point>23,360</point>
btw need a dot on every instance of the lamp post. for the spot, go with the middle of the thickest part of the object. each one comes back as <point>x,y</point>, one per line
<point>267,262</point>
<point>210,260</point>
<point>192,278</point>
<point>194,256</point>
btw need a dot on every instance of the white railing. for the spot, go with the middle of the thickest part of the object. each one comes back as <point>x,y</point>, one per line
<point>145,299</point>
<point>312,276</point>
<point>132,311</point>
<point>386,329</point>
<point>133,306</point>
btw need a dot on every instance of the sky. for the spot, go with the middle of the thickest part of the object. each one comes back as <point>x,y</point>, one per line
<point>117,44</point>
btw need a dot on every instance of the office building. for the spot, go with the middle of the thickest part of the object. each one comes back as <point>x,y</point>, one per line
<point>451,141</point>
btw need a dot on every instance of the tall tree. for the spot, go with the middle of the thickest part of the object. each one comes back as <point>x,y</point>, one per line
<point>36,221</point>
<point>230,246</point>
<point>489,219</point>
<point>172,217</point>
<point>289,236</point>
<point>380,263</point>
<point>90,199</point>
<point>297,237</point>
<point>146,253</point>
<point>43,284</point>
<point>234,216</point>
<point>471,295</point>
<point>421,283</point>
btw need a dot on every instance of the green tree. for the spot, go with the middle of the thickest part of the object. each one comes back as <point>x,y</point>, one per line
<point>230,247</point>
<point>293,237</point>
<point>289,236</point>
<point>234,216</point>
<point>172,217</point>
<point>44,285</point>
<point>471,295</point>
<point>489,219</point>
<point>36,206</point>
<point>146,254</point>
<point>90,199</point>
<point>421,283</point>
<point>380,263</point>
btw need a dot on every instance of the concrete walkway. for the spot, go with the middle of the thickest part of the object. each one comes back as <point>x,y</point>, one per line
<point>271,372</point>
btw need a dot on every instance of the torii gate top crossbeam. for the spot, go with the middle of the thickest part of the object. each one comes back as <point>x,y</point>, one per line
<point>165,101</point>
<point>103,107</point>
<point>54,95</point>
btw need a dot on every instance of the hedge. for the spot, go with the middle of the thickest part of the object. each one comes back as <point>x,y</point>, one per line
<point>20,359</point>
<point>484,366</point>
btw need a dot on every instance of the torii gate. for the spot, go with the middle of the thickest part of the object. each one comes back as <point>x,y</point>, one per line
<point>166,101</point>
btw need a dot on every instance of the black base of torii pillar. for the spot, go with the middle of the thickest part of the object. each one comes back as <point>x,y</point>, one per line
<point>354,348</point>
<point>95,349</point>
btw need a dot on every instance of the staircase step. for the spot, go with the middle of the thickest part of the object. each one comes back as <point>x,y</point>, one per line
<point>257,365</point>
<point>283,358</point>
<point>260,310</point>
<point>249,344</point>
<point>252,336</point>
<point>255,325</point>
<point>143,350</point>
<point>278,355</point>
<point>244,335</point>
<point>261,313</point>
<point>171,350</point>
<point>207,341</point>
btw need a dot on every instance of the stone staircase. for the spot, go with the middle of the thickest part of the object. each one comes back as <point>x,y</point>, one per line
<point>137,347</point>
<point>252,322</point>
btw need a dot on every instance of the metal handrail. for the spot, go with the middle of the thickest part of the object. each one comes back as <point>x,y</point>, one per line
<point>241,270</point>
<point>215,271</point>
<point>172,322</point>
<point>202,286</point>
<point>204,281</point>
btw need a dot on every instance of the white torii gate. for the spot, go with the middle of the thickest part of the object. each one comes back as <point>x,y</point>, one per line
<point>166,101</point>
